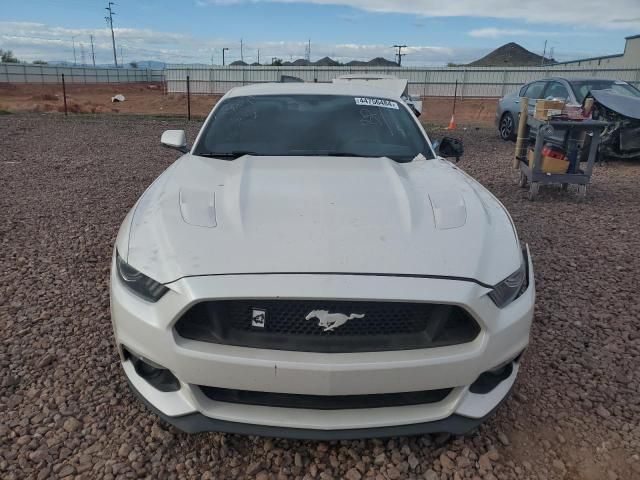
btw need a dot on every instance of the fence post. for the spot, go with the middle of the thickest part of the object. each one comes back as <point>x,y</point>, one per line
<point>64,94</point>
<point>188,99</point>
<point>24,70</point>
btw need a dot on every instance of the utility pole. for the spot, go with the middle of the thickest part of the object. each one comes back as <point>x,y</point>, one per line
<point>400,54</point>
<point>224,50</point>
<point>258,55</point>
<point>241,51</point>
<point>73,41</point>
<point>544,52</point>
<point>93,54</point>
<point>307,53</point>
<point>109,20</point>
<point>82,57</point>
<point>121,57</point>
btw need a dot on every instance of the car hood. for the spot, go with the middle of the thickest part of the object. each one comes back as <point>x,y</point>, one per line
<point>207,216</point>
<point>623,104</point>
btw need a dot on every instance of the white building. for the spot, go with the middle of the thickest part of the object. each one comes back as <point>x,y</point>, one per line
<point>630,58</point>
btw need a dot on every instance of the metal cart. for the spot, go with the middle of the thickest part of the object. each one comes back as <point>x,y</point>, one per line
<point>573,136</point>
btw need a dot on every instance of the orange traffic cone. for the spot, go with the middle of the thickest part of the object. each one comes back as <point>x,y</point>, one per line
<point>452,123</point>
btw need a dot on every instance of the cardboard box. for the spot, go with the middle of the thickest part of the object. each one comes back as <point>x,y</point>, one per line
<point>549,164</point>
<point>547,108</point>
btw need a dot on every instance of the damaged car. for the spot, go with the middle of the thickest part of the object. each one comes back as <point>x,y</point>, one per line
<point>621,138</point>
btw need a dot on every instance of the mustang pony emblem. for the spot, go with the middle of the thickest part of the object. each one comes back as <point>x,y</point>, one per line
<point>331,321</point>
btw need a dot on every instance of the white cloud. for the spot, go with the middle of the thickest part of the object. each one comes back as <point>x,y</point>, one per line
<point>569,12</point>
<point>492,32</point>
<point>37,41</point>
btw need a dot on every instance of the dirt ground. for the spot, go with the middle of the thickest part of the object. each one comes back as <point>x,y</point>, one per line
<point>67,412</point>
<point>150,99</point>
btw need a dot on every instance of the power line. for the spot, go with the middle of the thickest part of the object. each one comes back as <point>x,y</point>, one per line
<point>399,55</point>
<point>241,51</point>
<point>109,20</point>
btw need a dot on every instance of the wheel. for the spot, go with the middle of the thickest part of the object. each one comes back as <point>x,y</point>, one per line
<point>582,192</point>
<point>533,190</point>
<point>522,180</point>
<point>507,127</point>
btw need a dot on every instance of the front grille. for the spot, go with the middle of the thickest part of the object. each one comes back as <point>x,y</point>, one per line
<point>293,325</point>
<point>322,402</point>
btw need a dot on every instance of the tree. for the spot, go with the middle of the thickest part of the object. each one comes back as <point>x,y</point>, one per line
<point>6,56</point>
<point>276,62</point>
<point>133,64</point>
<point>39,62</point>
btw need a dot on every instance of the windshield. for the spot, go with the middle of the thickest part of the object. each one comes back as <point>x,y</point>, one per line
<point>327,125</point>
<point>582,87</point>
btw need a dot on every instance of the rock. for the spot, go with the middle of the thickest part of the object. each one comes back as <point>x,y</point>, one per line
<point>413,461</point>
<point>66,470</point>
<point>431,475</point>
<point>558,465</point>
<point>262,475</point>
<point>503,439</point>
<point>71,424</point>
<point>46,360</point>
<point>484,463</point>
<point>124,450</point>
<point>254,468</point>
<point>353,474</point>
<point>447,463</point>
<point>603,412</point>
<point>392,472</point>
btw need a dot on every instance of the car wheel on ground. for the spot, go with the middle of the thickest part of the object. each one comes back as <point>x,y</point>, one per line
<point>507,127</point>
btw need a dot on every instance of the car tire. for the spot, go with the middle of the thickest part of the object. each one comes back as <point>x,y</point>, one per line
<point>507,127</point>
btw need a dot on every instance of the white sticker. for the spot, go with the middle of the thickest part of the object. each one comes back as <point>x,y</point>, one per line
<point>376,102</point>
<point>258,318</point>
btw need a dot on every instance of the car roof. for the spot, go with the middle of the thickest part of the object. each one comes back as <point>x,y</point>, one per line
<point>576,79</point>
<point>356,89</point>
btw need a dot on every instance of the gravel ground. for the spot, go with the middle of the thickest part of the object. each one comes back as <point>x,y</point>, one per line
<point>66,411</point>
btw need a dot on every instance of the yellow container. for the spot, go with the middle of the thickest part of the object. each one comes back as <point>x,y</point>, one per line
<point>549,164</point>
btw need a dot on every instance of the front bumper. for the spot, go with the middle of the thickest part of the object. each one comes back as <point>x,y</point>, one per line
<point>146,330</point>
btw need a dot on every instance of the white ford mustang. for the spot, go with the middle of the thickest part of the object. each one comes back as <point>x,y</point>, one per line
<point>311,268</point>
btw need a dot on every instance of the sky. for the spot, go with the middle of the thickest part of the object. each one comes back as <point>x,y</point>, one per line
<point>195,31</point>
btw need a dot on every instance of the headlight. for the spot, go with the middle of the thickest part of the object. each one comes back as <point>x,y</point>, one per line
<point>511,287</point>
<point>138,282</point>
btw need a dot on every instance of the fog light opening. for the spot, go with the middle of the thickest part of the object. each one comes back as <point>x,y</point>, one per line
<point>155,375</point>
<point>491,378</point>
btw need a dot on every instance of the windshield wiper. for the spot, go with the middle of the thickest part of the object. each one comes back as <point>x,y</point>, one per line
<point>232,155</point>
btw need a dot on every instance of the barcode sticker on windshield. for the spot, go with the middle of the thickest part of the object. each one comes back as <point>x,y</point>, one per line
<point>376,102</point>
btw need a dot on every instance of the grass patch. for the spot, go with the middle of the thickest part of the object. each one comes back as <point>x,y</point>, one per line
<point>5,112</point>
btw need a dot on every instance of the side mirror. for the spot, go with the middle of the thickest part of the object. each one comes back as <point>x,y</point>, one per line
<point>175,139</point>
<point>450,147</point>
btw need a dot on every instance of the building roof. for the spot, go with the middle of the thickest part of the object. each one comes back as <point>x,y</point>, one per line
<point>355,89</point>
<point>591,59</point>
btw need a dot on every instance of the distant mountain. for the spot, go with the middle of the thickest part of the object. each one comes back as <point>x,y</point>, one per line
<point>326,62</point>
<point>239,63</point>
<point>511,55</point>
<point>376,62</point>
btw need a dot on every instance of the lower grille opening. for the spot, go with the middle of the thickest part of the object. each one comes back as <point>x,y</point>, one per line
<point>327,326</point>
<point>322,402</point>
